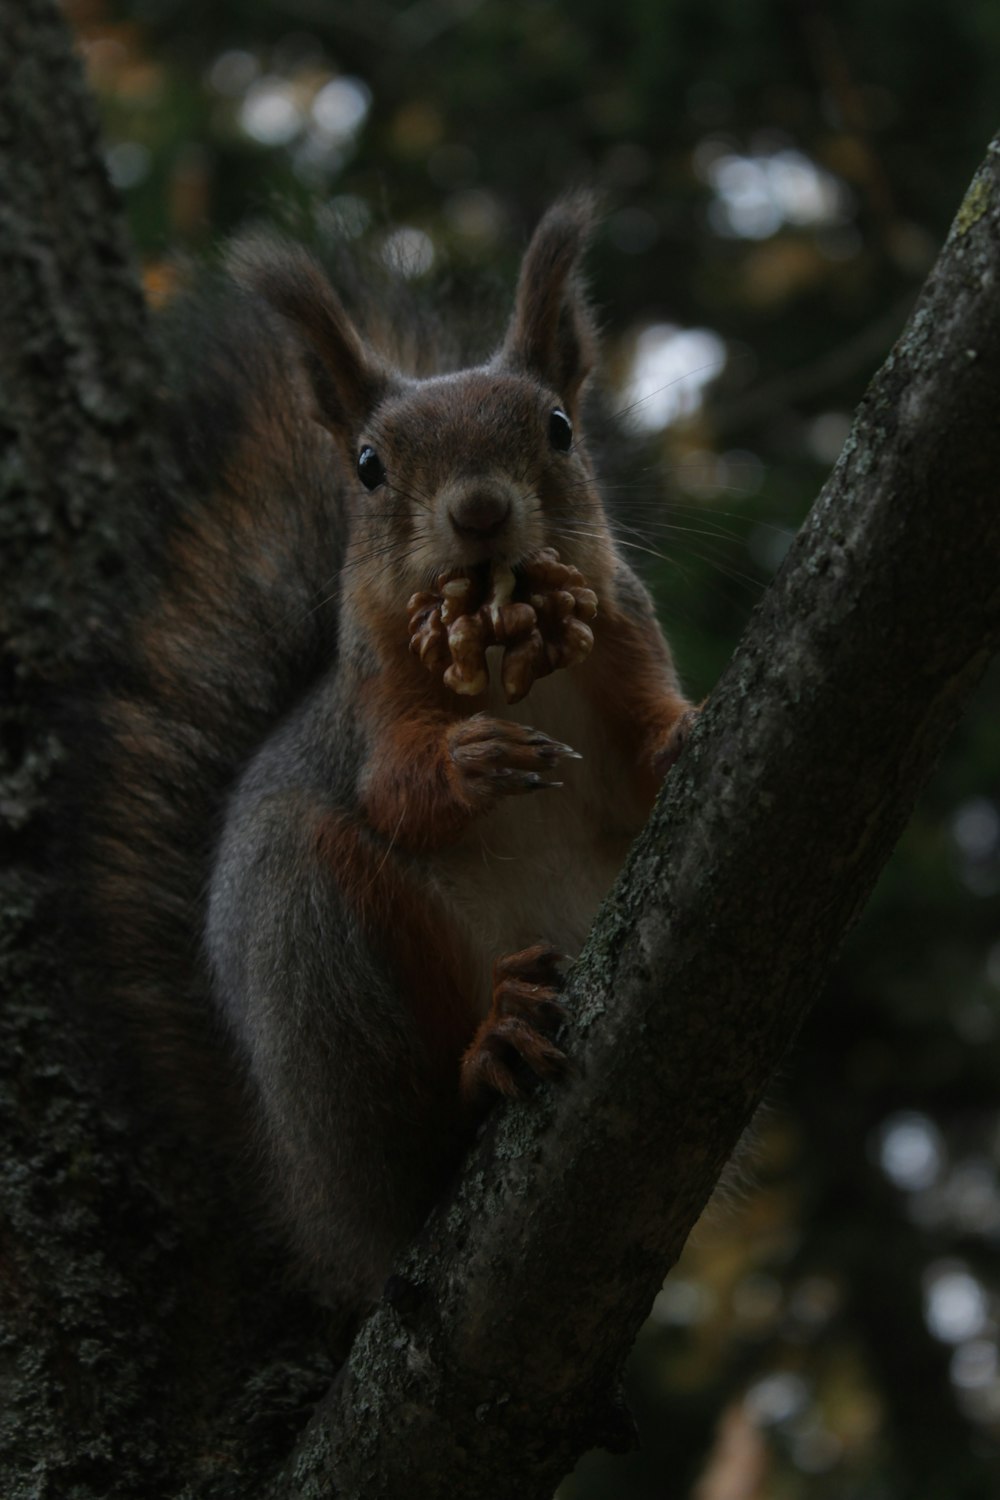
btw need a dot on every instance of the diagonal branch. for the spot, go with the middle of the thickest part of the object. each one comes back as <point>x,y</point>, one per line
<point>488,1367</point>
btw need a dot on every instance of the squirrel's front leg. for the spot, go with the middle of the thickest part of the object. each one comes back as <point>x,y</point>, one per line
<point>434,774</point>
<point>631,678</point>
<point>516,1034</point>
<point>672,738</point>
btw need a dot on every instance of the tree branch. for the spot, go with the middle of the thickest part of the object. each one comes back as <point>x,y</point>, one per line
<point>490,1364</point>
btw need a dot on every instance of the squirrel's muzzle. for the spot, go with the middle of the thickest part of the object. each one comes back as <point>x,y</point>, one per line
<point>479,513</point>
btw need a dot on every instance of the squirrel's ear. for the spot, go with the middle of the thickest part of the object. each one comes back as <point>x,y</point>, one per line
<point>347,378</point>
<point>552,332</point>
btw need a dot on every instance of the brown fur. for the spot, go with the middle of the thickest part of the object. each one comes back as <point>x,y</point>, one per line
<point>631,681</point>
<point>425,953</point>
<point>331,890</point>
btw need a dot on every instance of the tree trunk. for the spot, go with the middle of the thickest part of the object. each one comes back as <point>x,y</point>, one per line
<point>145,1350</point>
<point>138,1354</point>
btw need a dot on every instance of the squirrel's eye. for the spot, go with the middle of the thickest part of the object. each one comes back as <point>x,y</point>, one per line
<point>371,470</point>
<point>560,431</point>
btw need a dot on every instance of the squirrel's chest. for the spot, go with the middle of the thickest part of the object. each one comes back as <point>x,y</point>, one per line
<point>538,866</point>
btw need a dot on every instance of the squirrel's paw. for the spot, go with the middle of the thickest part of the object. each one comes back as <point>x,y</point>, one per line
<point>494,758</point>
<point>669,750</point>
<point>516,1034</point>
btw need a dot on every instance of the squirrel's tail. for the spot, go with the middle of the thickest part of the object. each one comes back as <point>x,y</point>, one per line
<point>233,614</point>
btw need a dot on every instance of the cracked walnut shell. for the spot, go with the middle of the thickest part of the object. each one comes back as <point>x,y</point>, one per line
<point>452,626</point>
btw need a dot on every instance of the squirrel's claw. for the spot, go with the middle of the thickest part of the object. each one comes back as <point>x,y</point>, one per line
<point>516,1035</point>
<point>495,758</point>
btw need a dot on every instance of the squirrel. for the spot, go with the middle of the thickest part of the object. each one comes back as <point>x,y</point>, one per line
<point>337,851</point>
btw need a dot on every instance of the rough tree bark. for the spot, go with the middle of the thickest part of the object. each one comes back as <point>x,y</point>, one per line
<point>139,1353</point>
<point>136,1356</point>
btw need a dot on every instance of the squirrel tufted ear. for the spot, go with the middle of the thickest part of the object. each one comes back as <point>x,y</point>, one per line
<point>552,332</point>
<point>346,376</point>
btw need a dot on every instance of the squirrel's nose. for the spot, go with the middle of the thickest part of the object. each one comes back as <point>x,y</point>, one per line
<point>479,513</point>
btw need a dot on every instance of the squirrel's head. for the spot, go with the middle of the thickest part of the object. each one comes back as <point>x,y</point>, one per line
<point>464,468</point>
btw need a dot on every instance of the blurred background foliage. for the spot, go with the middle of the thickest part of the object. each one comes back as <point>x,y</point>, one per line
<point>776,177</point>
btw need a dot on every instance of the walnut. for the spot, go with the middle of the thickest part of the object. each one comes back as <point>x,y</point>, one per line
<point>457,598</point>
<point>468,674</point>
<point>563,605</point>
<point>523,663</point>
<point>449,633</point>
<point>452,626</point>
<point>428,637</point>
